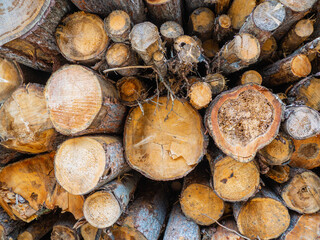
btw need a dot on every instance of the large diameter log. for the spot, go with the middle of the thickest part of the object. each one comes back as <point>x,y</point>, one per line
<point>301,122</point>
<point>135,8</point>
<point>98,159</point>
<point>118,26</point>
<point>201,23</point>
<point>25,125</point>
<point>159,148</point>
<point>64,229</point>
<point>81,102</point>
<point>170,30</point>
<point>239,11</point>
<point>243,120</point>
<point>145,40</point>
<point>307,153</point>
<point>179,227</point>
<point>263,216</point>
<point>76,31</point>
<point>32,24</point>
<point>9,229</point>
<point>287,70</point>
<point>29,188</point>
<point>198,200</point>
<point>104,207</point>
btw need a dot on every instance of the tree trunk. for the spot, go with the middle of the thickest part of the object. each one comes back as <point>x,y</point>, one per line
<point>132,91</point>
<point>251,76</point>
<point>222,28</point>
<point>160,62</point>
<point>268,49</point>
<point>159,149</point>
<point>221,6</point>
<point>63,229</point>
<point>118,26</point>
<point>210,48</point>
<point>9,229</point>
<point>31,31</point>
<point>81,102</point>
<point>198,200</point>
<point>201,23</point>
<point>310,49</point>
<point>279,174</point>
<point>200,95</point>
<point>192,5</point>
<point>170,31</point>
<point>217,82</point>
<point>98,159</point>
<point>237,118</point>
<point>239,11</point>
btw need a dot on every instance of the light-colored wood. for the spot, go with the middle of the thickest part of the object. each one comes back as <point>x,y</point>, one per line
<point>210,48</point>
<point>251,76</point>
<point>201,23</point>
<point>160,63</point>
<point>239,11</point>
<point>158,148</point>
<point>81,102</point>
<point>132,90</point>
<point>97,159</point>
<point>170,30</point>
<point>89,232</point>
<point>63,229</point>
<point>217,82</point>
<point>243,120</point>
<point>268,48</point>
<point>188,49</point>
<point>161,11</point>
<point>25,125</point>
<point>200,95</point>
<point>222,28</point>
<point>118,26</point>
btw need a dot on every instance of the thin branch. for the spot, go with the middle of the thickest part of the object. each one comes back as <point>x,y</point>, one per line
<point>127,67</point>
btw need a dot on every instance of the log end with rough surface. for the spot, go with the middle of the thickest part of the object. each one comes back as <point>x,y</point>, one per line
<point>202,23</point>
<point>251,76</point>
<point>188,49</point>
<point>131,90</point>
<point>118,26</point>
<point>170,31</point>
<point>200,95</point>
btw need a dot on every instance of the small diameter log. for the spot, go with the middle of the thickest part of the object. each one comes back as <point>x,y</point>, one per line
<point>135,8</point>
<point>198,200</point>
<point>251,76</point>
<point>239,11</point>
<point>63,229</point>
<point>239,53</point>
<point>25,125</point>
<point>104,207</point>
<point>210,48</point>
<point>307,153</point>
<point>217,82</point>
<point>9,229</point>
<point>161,11</point>
<point>279,174</point>
<point>234,181</point>
<point>268,48</point>
<point>302,227</point>
<point>28,35</point>
<point>220,233</point>
<point>145,40</point>
<point>11,77</point>
<point>81,102</point>
<point>200,95</point>
<point>264,20</point>
<point>263,216</point>
<point>160,63</point>
<point>201,23</point>
<point>297,35</point>
<point>81,38</point>
<point>159,149</point>
<point>118,26</point>
<point>170,30</point>
<point>132,90</point>
<point>187,49</point>
<point>98,159</point>
<point>89,232</point>
<point>279,151</point>
<point>121,55</point>
<point>222,28</point>
<point>301,122</point>
<point>29,189</point>
<point>287,70</point>
<point>179,227</point>
<point>310,49</point>
<point>243,120</point>
<point>221,6</point>
<point>145,216</point>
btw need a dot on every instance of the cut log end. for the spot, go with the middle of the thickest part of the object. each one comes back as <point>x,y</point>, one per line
<point>224,21</point>
<point>217,82</point>
<point>171,30</point>
<point>279,174</point>
<point>200,95</point>
<point>63,232</point>
<point>118,25</point>
<point>202,22</point>
<point>188,49</point>
<point>247,47</point>
<point>239,11</point>
<point>117,54</point>
<point>131,89</point>
<point>298,6</point>
<point>304,28</point>
<point>251,76</point>
<point>301,66</point>
<point>126,233</point>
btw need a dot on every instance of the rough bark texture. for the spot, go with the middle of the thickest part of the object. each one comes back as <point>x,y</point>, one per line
<point>7,155</point>
<point>63,229</point>
<point>222,28</point>
<point>310,49</point>
<point>9,229</point>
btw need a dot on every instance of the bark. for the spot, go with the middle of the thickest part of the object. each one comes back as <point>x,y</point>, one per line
<point>210,48</point>
<point>160,63</point>
<point>132,91</point>
<point>192,5</point>
<point>217,82</point>
<point>200,95</point>
<point>268,49</point>
<point>98,159</point>
<point>238,134</point>
<point>118,26</point>
<point>170,30</point>
<point>310,49</point>
<point>251,76</point>
<point>220,233</point>
<point>201,23</point>
<point>239,11</point>
<point>63,229</point>
<point>81,102</point>
<point>9,229</point>
<point>8,155</point>
<point>221,6</point>
<point>222,28</point>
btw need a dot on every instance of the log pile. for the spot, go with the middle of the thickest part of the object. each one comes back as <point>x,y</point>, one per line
<point>159,119</point>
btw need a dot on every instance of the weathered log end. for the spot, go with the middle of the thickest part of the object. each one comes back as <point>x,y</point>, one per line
<point>118,26</point>
<point>200,95</point>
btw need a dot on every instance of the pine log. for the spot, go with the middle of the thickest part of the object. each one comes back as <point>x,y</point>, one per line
<point>192,5</point>
<point>200,95</point>
<point>217,82</point>
<point>222,28</point>
<point>179,227</point>
<point>201,23</point>
<point>30,26</point>
<point>220,233</point>
<point>25,125</point>
<point>251,76</point>
<point>187,49</point>
<point>63,229</point>
<point>11,77</point>
<point>239,11</point>
<point>120,55</point>
<point>307,153</point>
<point>263,216</point>
<point>243,120</point>
<point>279,151</point>
<point>145,40</point>
<point>287,70</point>
<point>29,189</point>
<point>135,8</point>
<point>302,227</point>
<point>9,229</point>
<point>89,232</point>
<point>118,26</point>
<point>159,149</point>
<point>81,38</point>
<point>221,6</point>
<point>145,216</point>
<point>81,102</point>
<point>132,90</point>
<point>268,48</point>
<point>98,159</point>
<point>160,62</point>
<point>239,53</point>
<point>301,122</point>
<point>234,181</point>
<point>170,30</point>
<point>161,11</point>
<point>198,200</point>
<point>264,20</point>
<point>310,49</point>
<point>279,174</point>
<point>210,48</point>
<point>297,35</point>
<point>104,207</point>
